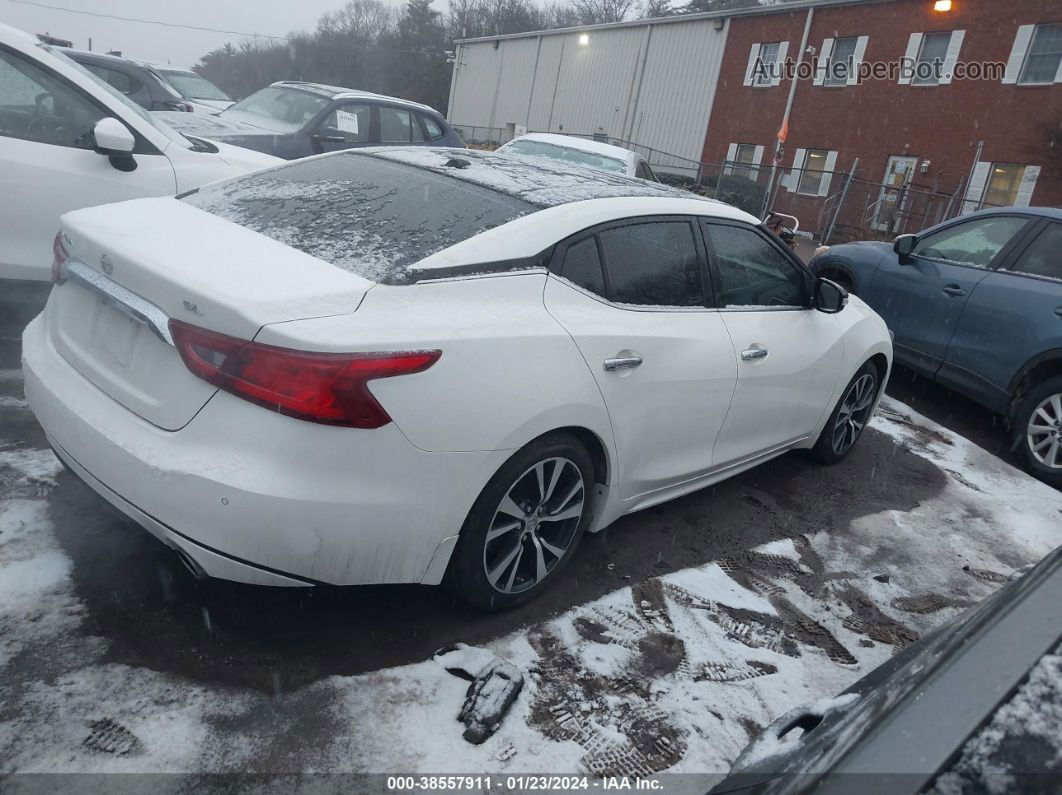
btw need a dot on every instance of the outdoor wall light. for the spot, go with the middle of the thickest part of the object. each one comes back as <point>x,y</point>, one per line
<point>584,39</point>
<point>718,23</point>
<point>942,5</point>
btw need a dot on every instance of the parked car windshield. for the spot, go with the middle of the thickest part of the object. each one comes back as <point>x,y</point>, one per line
<point>279,109</point>
<point>361,213</point>
<point>193,86</point>
<point>144,115</point>
<point>568,154</point>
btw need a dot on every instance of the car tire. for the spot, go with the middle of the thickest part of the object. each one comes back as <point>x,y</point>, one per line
<point>840,278</point>
<point>849,417</point>
<point>1038,421</point>
<point>512,546</point>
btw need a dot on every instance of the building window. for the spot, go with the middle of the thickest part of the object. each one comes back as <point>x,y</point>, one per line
<point>1000,185</point>
<point>1004,179</point>
<point>1043,56</point>
<point>813,172</point>
<point>929,66</point>
<point>768,63</point>
<point>839,68</point>
<point>765,64</point>
<point>748,156</point>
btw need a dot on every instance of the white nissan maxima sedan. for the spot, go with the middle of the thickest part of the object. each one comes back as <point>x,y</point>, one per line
<point>431,365</point>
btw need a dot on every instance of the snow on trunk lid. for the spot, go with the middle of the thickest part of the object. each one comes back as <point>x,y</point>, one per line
<point>165,259</point>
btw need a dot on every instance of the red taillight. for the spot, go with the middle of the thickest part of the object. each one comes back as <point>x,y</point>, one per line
<point>59,256</point>
<point>330,388</point>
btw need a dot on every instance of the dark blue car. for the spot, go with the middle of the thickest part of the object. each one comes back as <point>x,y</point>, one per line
<point>975,304</point>
<point>292,120</point>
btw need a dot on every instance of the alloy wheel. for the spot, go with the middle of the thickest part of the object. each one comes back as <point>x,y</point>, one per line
<point>854,413</point>
<point>534,525</point>
<point>1044,434</point>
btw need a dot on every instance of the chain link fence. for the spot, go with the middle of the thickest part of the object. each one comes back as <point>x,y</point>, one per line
<point>833,206</point>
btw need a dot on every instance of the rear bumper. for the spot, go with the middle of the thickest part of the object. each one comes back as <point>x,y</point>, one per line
<point>257,497</point>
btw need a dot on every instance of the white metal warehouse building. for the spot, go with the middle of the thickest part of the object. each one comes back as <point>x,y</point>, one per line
<point>635,81</point>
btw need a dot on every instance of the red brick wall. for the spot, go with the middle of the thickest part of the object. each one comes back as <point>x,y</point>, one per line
<point>876,119</point>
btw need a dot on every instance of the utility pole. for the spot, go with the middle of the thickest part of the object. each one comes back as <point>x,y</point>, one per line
<point>783,130</point>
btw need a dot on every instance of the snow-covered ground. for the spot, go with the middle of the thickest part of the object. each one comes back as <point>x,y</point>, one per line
<point>671,674</point>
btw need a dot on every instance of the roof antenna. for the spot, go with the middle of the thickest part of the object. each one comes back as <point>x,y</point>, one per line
<point>457,162</point>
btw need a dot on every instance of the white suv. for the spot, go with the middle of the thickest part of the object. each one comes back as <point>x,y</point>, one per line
<point>68,140</point>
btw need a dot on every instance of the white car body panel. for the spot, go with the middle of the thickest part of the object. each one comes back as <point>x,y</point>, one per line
<point>253,495</point>
<point>629,158</point>
<point>780,399</point>
<point>40,181</point>
<point>667,412</point>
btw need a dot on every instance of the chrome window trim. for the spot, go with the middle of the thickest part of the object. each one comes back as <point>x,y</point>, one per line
<point>125,301</point>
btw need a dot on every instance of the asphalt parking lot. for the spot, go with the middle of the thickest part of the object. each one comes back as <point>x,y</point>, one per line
<point>692,624</point>
<point>158,616</point>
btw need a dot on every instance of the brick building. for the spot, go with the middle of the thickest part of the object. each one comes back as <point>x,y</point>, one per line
<point>707,89</point>
<point>996,140</point>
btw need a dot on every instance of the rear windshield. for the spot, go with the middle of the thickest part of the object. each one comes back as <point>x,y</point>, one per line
<point>369,216</point>
<point>568,154</point>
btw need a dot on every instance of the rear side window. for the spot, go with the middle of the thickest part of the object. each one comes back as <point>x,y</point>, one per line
<point>434,130</point>
<point>371,216</point>
<point>399,126</point>
<point>653,264</point>
<point>582,266</point>
<point>1042,258</point>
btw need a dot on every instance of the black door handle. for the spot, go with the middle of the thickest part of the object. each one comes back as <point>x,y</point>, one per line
<point>953,289</point>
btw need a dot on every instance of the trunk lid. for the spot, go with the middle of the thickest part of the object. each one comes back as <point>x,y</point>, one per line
<point>166,259</point>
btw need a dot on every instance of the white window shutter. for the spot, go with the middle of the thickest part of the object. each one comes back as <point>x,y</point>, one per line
<point>823,63</point>
<point>750,70</point>
<point>857,59</point>
<point>954,46</point>
<point>798,164</point>
<point>975,191</point>
<point>1028,184</point>
<point>1017,53</point>
<point>731,156</point>
<point>757,156</point>
<point>783,49</point>
<point>831,164</point>
<point>914,44</point>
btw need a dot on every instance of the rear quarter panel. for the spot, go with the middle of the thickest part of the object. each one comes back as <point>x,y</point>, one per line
<point>508,371</point>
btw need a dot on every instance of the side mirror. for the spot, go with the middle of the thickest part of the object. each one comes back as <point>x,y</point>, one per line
<point>904,245</point>
<point>113,139</point>
<point>829,297</point>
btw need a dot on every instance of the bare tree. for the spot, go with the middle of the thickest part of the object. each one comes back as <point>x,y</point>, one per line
<point>594,12</point>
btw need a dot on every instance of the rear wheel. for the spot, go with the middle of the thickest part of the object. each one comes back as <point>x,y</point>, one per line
<point>525,525</point>
<point>850,417</point>
<point>840,279</point>
<point>1038,431</point>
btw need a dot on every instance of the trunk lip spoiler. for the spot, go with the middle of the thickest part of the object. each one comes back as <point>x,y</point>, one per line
<point>124,300</point>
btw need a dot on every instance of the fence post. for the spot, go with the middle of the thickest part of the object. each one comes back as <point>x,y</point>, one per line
<point>840,203</point>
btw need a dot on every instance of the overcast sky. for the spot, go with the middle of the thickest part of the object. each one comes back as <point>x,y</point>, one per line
<point>178,46</point>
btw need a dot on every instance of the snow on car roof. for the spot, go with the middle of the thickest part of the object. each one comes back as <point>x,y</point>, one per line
<point>394,215</point>
<point>538,181</point>
<point>583,144</point>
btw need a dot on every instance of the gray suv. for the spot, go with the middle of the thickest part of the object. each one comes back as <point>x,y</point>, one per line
<point>152,86</point>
